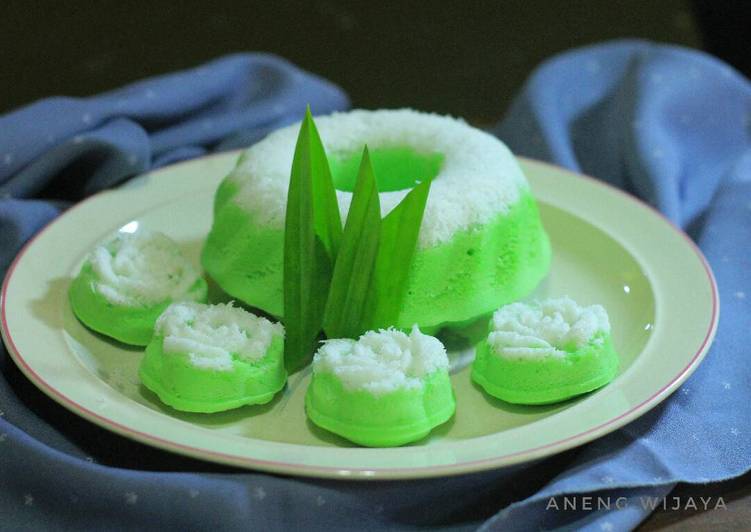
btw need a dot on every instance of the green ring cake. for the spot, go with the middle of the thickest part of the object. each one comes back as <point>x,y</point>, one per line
<point>209,358</point>
<point>385,389</point>
<point>545,352</point>
<point>126,283</point>
<point>481,243</point>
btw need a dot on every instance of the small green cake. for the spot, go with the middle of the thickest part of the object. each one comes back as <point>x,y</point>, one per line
<point>209,358</point>
<point>386,389</point>
<point>125,284</point>
<point>545,352</point>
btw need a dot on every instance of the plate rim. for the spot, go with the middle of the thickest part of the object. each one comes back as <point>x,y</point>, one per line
<point>380,473</point>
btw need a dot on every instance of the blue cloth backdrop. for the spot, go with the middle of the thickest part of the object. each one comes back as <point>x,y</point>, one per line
<point>666,124</point>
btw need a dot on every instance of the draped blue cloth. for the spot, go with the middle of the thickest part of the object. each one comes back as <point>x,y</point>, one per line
<point>669,125</point>
<point>673,127</point>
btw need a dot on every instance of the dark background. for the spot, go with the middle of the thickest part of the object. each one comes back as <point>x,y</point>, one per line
<point>464,58</point>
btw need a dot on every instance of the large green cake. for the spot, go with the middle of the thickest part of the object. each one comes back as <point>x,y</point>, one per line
<point>481,242</point>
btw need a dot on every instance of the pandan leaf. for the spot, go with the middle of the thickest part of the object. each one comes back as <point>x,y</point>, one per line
<point>328,222</point>
<point>350,283</point>
<point>399,233</point>
<point>312,233</point>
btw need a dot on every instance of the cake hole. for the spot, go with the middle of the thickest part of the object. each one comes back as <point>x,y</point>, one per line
<point>470,252</point>
<point>395,168</point>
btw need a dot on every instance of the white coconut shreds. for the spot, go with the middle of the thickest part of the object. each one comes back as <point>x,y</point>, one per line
<point>382,362</point>
<point>479,178</point>
<point>545,328</point>
<point>141,269</point>
<point>210,334</point>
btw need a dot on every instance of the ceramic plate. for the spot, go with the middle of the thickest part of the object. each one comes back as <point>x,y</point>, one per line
<point>608,249</point>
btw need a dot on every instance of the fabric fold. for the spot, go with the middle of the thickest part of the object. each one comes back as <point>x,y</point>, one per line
<point>150,123</point>
<point>672,127</point>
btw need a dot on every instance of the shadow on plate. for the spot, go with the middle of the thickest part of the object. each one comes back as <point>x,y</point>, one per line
<point>46,308</point>
<point>329,437</point>
<point>535,410</point>
<point>216,419</point>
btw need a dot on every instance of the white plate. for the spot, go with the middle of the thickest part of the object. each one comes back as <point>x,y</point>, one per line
<point>608,248</point>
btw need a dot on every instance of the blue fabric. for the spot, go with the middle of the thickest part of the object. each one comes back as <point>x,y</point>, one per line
<point>667,124</point>
<point>673,127</point>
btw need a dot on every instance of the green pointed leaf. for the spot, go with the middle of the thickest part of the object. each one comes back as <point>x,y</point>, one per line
<point>328,222</point>
<point>311,237</point>
<point>350,284</point>
<point>399,233</point>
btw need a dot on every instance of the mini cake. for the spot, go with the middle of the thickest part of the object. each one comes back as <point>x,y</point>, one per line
<point>481,242</point>
<point>545,352</point>
<point>209,358</point>
<point>125,284</point>
<point>385,389</point>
